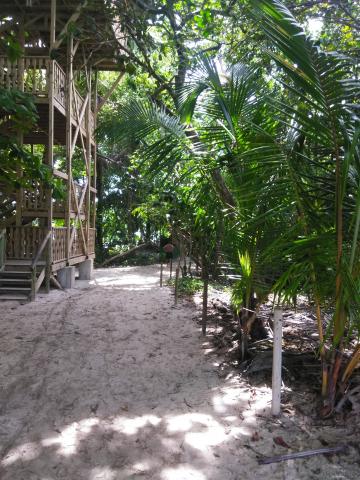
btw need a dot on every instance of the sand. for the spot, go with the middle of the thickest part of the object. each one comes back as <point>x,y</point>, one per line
<point>108,381</point>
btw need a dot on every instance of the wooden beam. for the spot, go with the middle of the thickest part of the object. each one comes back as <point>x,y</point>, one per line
<point>59,174</point>
<point>74,17</point>
<point>53,24</point>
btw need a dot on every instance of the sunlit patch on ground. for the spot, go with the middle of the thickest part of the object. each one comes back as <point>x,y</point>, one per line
<point>110,382</point>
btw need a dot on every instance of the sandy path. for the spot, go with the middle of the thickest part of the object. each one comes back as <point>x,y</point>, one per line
<point>110,382</point>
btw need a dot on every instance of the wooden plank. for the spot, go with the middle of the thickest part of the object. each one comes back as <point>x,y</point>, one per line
<point>34,213</point>
<point>75,260</point>
<point>56,266</point>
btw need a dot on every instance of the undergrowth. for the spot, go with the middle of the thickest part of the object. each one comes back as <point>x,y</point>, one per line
<point>187,286</point>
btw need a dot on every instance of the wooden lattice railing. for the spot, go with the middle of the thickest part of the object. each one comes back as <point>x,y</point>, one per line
<point>59,84</point>
<point>91,241</point>
<point>35,199</point>
<point>59,244</point>
<point>24,242</point>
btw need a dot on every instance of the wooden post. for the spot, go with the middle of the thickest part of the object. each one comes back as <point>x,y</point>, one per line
<point>53,24</point>
<point>95,102</point>
<point>161,273</point>
<point>20,135</point>
<point>69,105</point>
<point>171,266</point>
<point>50,144</point>
<point>89,134</point>
<point>276,368</point>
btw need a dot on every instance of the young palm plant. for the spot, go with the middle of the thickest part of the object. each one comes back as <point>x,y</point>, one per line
<point>319,112</point>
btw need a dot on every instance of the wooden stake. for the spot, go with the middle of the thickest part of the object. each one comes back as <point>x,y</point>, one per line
<point>171,266</point>
<point>276,369</point>
<point>205,276</point>
<point>161,273</point>
<point>177,271</point>
<point>205,302</point>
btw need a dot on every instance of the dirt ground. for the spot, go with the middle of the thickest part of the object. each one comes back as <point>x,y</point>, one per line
<point>109,381</point>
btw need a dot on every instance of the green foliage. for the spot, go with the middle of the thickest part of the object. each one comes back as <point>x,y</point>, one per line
<point>187,286</point>
<point>9,42</point>
<point>250,121</point>
<point>18,167</point>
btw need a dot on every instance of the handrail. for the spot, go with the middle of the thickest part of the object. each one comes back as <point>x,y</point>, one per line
<point>40,251</point>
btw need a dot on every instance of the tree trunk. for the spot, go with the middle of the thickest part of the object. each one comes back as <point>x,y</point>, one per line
<point>120,257</point>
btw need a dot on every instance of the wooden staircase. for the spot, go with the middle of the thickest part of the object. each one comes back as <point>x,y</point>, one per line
<point>18,281</point>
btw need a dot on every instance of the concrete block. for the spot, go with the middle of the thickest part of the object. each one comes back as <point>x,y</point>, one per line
<point>86,269</point>
<point>66,277</point>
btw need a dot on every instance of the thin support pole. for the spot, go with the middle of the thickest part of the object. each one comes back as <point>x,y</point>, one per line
<point>171,267</point>
<point>161,273</point>
<point>177,271</point>
<point>69,113</point>
<point>205,303</point>
<point>276,369</point>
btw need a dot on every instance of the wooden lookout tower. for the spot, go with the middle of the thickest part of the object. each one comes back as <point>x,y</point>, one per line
<point>65,44</point>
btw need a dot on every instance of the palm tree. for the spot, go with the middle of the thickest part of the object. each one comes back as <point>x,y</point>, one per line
<point>319,109</point>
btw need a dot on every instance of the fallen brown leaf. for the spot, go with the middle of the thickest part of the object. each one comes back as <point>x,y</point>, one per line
<point>280,441</point>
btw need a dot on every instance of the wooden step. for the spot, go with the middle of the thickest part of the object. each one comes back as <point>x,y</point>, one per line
<point>23,262</point>
<point>15,273</point>
<point>14,297</point>
<point>14,280</point>
<point>20,261</point>
<point>15,289</point>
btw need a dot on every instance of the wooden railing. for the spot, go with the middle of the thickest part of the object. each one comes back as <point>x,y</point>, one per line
<point>24,242</point>
<point>59,244</point>
<point>36,81</point>
<point>35,199</point>
<point>31,243</point>
<point>77,247</point>
<point>91,241</point>
<point>36,75</point>
<point>9,73</point>
<point>59,84</point>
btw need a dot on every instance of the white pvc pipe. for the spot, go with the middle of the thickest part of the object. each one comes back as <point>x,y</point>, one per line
<point>276,369</point>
